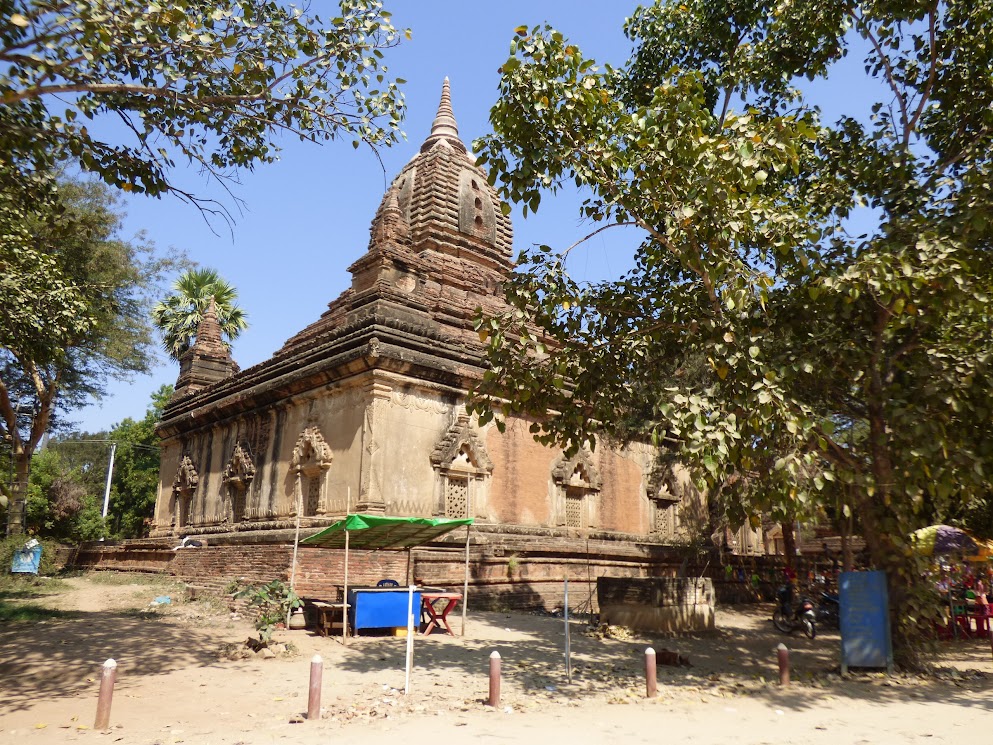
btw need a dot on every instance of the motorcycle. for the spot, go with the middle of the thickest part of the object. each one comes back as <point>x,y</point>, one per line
<point>829,610</point>
<point>790,616</point>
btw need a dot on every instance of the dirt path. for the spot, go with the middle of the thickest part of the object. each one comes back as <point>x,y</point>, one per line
<point>176,684</point>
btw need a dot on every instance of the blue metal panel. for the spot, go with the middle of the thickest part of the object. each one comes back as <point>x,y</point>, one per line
<point>865,621</point>
<point>380,608</point>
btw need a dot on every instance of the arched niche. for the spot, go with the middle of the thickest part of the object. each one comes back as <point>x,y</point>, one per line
<point>310,463</point>
<point>237,477</point>
<point>577,483</point>
<point>462,467</point>
<point>184,485</point>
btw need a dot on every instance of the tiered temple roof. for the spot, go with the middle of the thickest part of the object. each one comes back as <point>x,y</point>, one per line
<point>439,249</point>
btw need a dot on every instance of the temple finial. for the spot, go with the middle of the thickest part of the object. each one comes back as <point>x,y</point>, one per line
<point>209,332</point>
<point>444,126</point>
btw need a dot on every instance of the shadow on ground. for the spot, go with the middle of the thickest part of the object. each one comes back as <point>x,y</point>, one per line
<point>64,656</point>
<point>737,659</point>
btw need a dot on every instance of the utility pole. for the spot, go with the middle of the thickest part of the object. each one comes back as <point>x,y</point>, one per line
<point>106,491</point>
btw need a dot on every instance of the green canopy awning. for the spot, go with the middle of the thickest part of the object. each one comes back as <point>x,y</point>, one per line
<point>378,532</point>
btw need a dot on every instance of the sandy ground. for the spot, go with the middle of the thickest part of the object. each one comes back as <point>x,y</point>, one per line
<point>178,684</point>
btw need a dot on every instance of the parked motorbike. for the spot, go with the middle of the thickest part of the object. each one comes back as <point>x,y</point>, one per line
<point>829,610</point>
<point>792,614</point>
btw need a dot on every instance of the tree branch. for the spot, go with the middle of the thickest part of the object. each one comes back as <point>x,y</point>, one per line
<point>887,67</point>
<point>926,93</point>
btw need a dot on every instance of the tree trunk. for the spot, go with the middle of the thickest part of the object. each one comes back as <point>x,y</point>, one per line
<point>846,544</point>
<point>18,492</point>
<point>789,544</point>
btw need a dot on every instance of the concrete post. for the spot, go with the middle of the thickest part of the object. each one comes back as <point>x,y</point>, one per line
<point>314,695</point>
<point>494,699</point>
<point>784,664</point>
<point>651,673</point>
<point>107,680</point>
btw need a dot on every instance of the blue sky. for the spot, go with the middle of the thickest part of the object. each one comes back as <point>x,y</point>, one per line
<point>307,217</point>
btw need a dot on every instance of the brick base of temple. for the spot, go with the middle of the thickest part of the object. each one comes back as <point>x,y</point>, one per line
<point>508,569</point>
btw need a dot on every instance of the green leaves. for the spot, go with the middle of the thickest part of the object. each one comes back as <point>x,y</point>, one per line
<point>795,362</point>
<point>212,81</point>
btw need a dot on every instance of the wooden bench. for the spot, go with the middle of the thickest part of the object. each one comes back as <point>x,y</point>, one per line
<point>329,616</point>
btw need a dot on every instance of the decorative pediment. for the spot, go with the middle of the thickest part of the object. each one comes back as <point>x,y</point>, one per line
<point>577,471</point>
<point>663,484</point>
<point>187,478</point>
<point>311,455</point>
<point>240,470</point>
<point>462,448</point>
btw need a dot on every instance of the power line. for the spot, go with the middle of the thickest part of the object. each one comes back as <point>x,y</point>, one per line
<point>118,443</point>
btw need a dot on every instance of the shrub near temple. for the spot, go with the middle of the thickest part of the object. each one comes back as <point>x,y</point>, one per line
<point>273,602</point>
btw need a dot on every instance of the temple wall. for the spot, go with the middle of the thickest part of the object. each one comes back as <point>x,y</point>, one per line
<point>522,480</point>
<point>376,437</point>
<point>415,420</point>
<point>524,490</point>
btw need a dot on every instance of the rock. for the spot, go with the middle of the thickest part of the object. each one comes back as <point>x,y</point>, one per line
<point>266,653</point>
<point>278,648</point>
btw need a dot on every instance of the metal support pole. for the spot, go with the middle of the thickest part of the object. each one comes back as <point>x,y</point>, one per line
<point>344,612</point>
<point>314,695</point>
<point>465,582</point>
<point>568,645</point>
<point>296,544</point>
<point>783,654</point>
<point>651,674</point>
<point>107,680</point>
<point>409,657</point>
<point>494,699</point>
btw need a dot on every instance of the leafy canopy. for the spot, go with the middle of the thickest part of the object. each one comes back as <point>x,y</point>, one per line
<point>74,312</point>
<point>833,277</point>
<point>209,83</point>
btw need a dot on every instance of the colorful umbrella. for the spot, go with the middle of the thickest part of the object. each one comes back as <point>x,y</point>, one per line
<point>943,539</point>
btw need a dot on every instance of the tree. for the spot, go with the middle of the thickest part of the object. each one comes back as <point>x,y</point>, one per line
<point>65,491</point>
<point>74,314</point>
<point>210,83</point>
<point>848,349</point>
<point>136,471</point>
<point>68,480</point>
<point>178,316</point>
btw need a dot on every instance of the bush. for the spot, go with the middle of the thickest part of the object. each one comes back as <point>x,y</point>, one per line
<point>273,601</point>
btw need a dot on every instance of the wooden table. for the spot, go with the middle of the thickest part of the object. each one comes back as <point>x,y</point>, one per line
<point>330,615</point>
<point>438,614</point>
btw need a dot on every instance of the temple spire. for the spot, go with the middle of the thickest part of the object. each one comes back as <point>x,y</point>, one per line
<point>208,360</point>
<point>390,224</point>
<point>209,332</point>
<point>444,126</point>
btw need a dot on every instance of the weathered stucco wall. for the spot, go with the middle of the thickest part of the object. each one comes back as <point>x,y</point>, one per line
<point>393,441</point>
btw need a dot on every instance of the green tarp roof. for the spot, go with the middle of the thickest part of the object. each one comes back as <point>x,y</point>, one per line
<point>376,532</point>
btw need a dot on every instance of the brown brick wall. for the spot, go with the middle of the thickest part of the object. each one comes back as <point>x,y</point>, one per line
<point>506,570</point>
<point>519,491</point>
<point>623,507</point>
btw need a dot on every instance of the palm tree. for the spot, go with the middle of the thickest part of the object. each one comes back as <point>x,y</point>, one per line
<point>178,316</point>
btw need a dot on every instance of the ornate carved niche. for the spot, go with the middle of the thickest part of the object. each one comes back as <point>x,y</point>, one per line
<point>238,475</point>
<point>462,466</point>
<point>664,496</point>
<point>311,461</point>
<point>183,487</point>
<point>577,482</point>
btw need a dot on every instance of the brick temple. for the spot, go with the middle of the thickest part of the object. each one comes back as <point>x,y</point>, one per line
<point>364,411</point>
